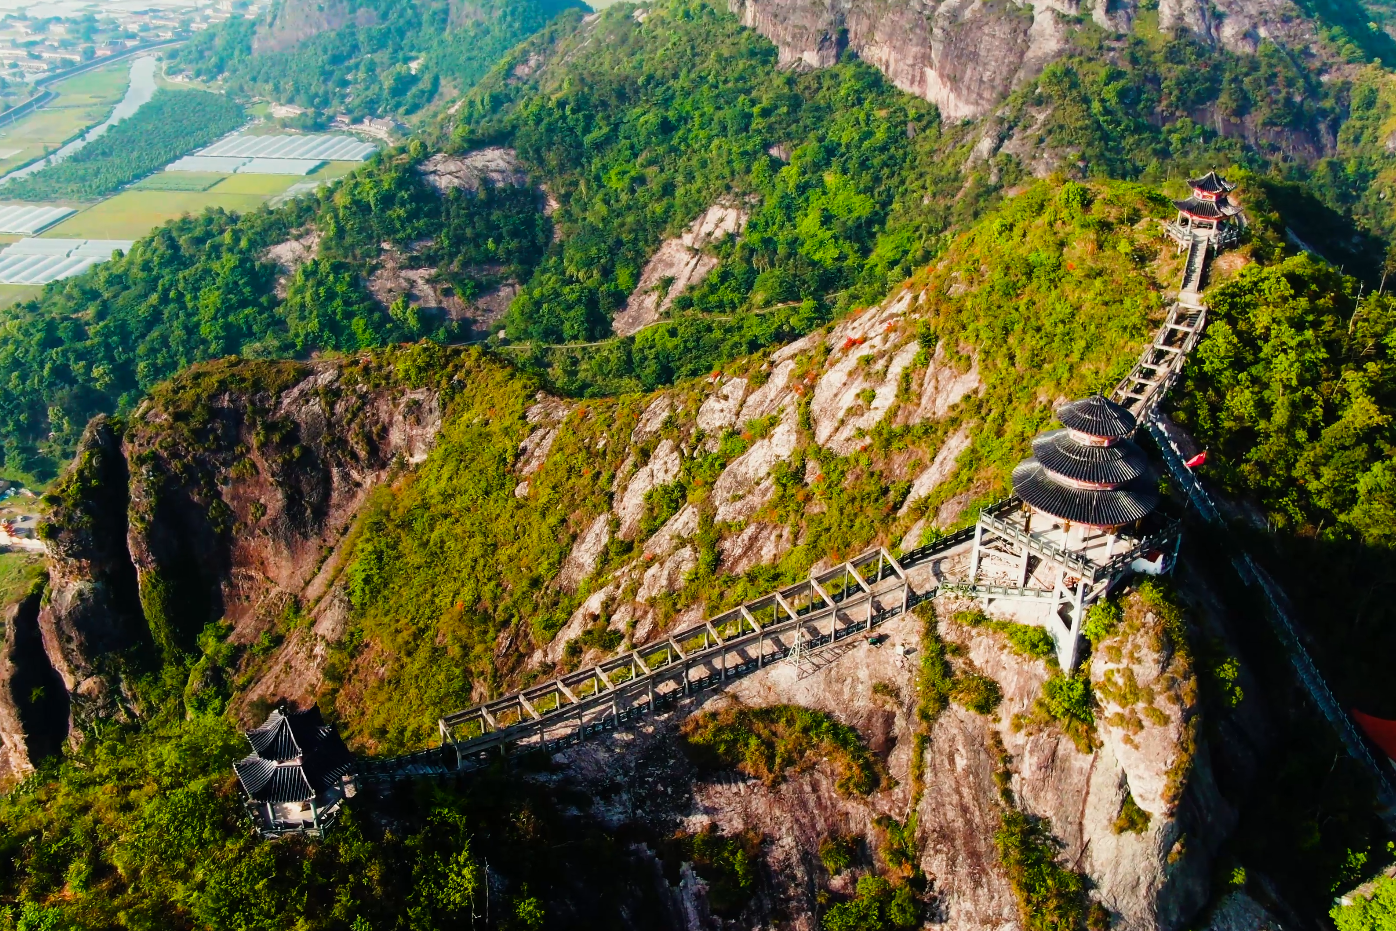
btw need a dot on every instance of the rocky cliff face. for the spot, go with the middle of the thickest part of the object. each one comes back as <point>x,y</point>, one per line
<point>294,21</point>
<point>226,497</point>
<point>1155,876</point>
<point>244,516</point>
<point>967,55</point>
<point>34,704</point>
<point>92,612</point>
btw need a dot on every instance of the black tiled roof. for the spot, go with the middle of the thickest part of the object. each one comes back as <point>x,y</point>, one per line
<point>1097,416</point>
<point>1205,209</point>
<point>1101,465</point>
<point>1100,508</point>
<point>295,755</point>
<point>1211,183</point>
<point>269,781</point>
<point>286,735</point>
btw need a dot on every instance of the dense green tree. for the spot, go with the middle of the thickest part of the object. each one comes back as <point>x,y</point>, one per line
<point>391,57</point>
<point>1294,387</point>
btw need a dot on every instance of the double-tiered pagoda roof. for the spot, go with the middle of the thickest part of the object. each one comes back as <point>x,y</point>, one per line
<point>295,758</point>
<point>1106,466</point>
<point>1208,200</point>
<point>1090,472</point>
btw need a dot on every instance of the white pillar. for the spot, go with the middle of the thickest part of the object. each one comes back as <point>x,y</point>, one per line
<point>974,555</point>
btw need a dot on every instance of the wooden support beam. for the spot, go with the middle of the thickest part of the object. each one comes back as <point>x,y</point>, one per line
<point>858,577</point>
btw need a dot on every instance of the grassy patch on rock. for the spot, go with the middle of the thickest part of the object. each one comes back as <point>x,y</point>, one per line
<point>770,743</point>
<point>727,863</point>
<point>1024,639</point>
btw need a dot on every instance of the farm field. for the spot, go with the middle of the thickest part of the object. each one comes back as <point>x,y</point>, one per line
<point>332,170</point>
<point>11,294</point>
<point>159,131</point>
<point>140,208</point>
<point>264,185</point>
<point>178,181</point>
<point>83,101</point>
<point>133,214</point>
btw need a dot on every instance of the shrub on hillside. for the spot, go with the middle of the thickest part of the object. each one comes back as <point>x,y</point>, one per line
<point>767,743</point>
<point>1373,912</point>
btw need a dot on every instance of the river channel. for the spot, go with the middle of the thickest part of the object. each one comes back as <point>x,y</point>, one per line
<point>138,94</point>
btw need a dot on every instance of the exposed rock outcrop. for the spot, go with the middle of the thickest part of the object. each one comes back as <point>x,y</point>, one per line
<point>641,781</point>
<point>494,166</point>
<point>239,493</point>
<point>661,469</point>
<point>941,467</point>
<point>34,705</point>
<point>92,611</point>
<point>235,519</point>
<point>290,24</point>
<point>291,255</point>
<point>680,263</point>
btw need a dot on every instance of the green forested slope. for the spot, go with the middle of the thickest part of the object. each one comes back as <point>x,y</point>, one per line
<point>146,830</point>
<point>635,128</point>
<point>670,116</point>
<point>390,58</point>
<point>1153,107</point>
<point>201,288</point>
<point>1056,289</point>
<point>665,117</point>
<point>144,825</point>
<point>849,183</point>
<point>1055,292</point>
